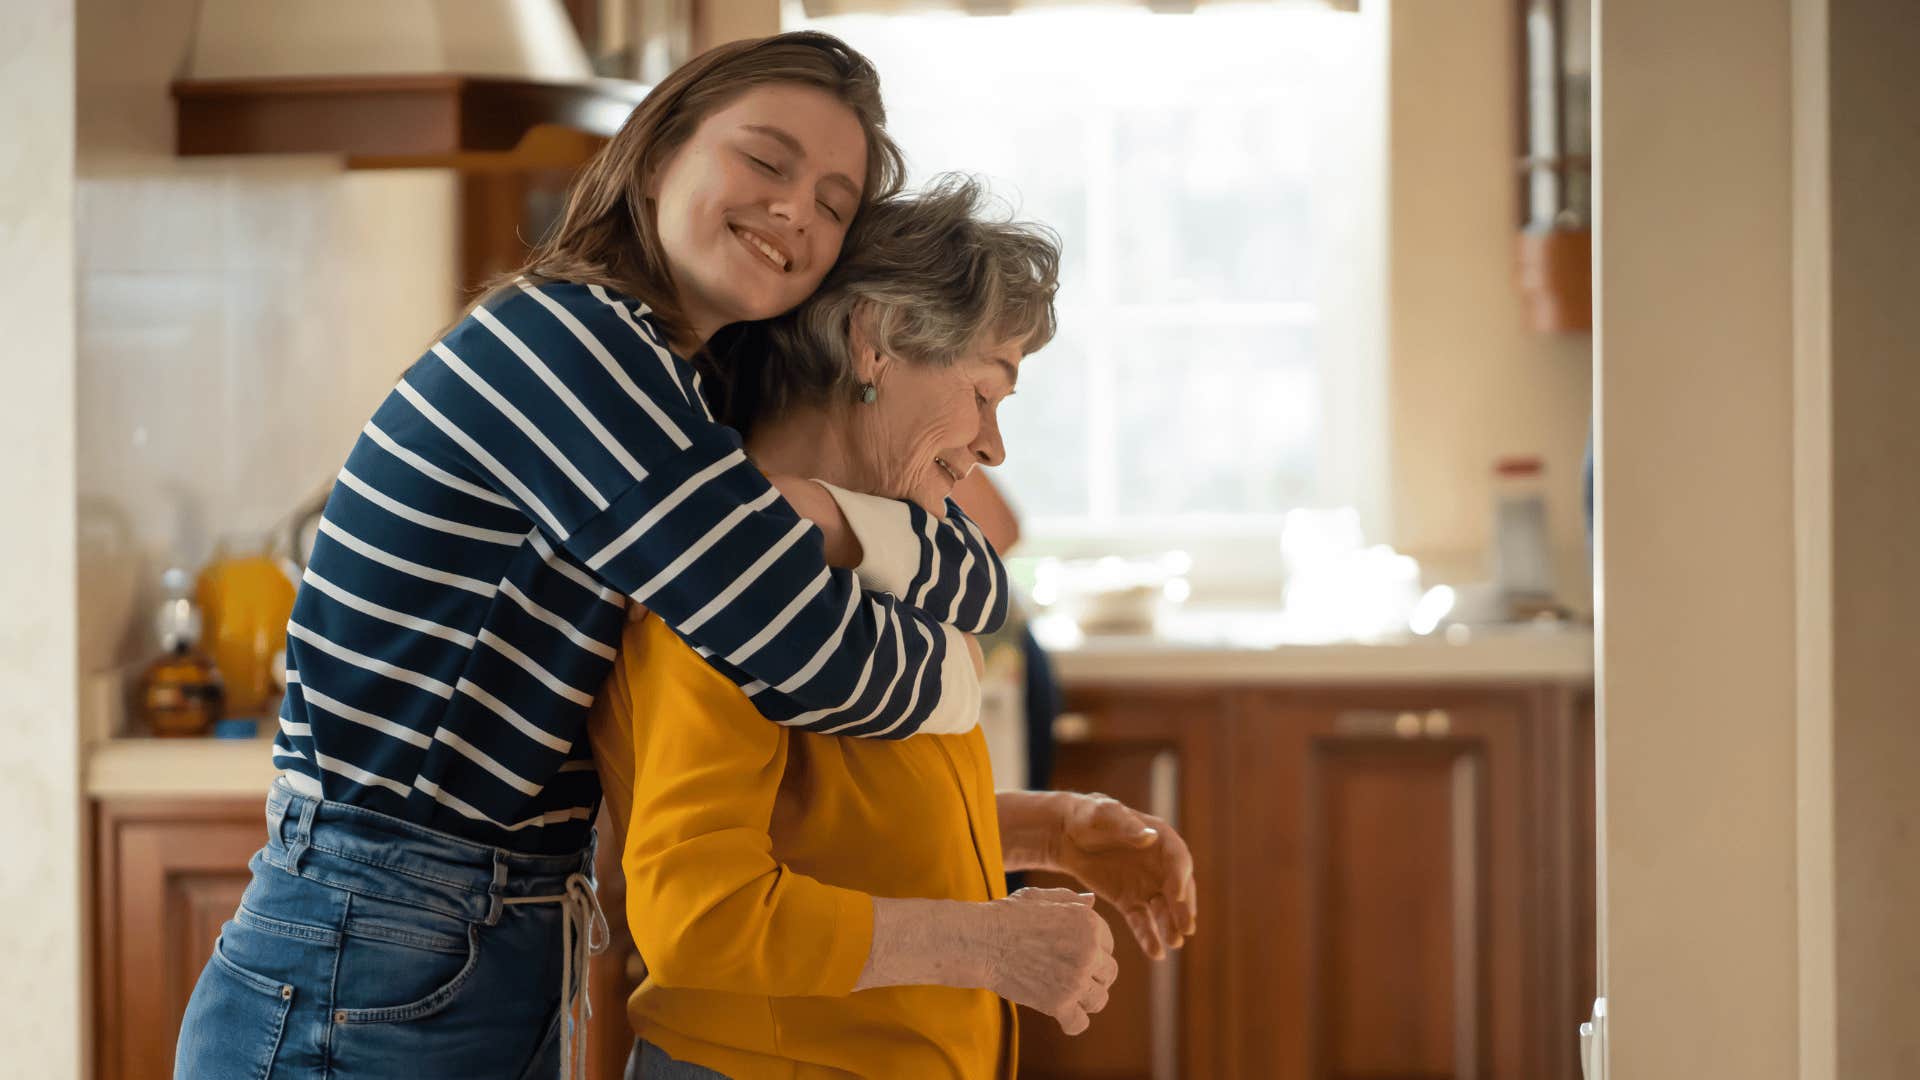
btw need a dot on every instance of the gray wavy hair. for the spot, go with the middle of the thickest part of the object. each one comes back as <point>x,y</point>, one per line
<point>929,274</point>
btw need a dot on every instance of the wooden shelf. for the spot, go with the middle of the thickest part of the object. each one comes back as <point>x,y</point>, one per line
<point>403,121</point>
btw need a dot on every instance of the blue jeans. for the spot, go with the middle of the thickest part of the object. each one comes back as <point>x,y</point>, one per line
<point>367,946</point>
<point>649,1062</point>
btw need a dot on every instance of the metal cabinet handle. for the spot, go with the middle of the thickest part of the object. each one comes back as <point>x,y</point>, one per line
<point>1072,727</point>
<point>1404,724</point>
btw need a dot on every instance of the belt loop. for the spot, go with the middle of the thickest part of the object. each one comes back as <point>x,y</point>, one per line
<point>497,889</point>
<point>302,834</point>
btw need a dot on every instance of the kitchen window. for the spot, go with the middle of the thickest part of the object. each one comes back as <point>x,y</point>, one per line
<point>1218,181</point>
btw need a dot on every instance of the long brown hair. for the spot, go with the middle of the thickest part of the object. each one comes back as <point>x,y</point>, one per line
<point>609,234</point>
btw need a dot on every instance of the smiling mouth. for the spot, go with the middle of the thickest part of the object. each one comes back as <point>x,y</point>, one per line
<point>951,475</point>
<point>759,246</point>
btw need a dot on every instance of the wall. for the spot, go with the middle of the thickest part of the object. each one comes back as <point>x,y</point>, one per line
<point>1875,559</point>
<point>1697,636</point>
<point>239,320</point>
<point>1468,381</point>
<point>40,1002</point>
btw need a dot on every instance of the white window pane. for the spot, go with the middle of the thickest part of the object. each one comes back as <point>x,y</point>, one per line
<point>1216,420</point>
<point>1215,203</point>
<point>1045,429</point>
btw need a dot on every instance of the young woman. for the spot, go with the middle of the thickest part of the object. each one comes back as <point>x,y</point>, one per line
<point>422,906</point>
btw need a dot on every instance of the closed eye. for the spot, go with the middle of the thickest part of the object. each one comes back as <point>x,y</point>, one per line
<point>828,207</point>
<point>763,165</point>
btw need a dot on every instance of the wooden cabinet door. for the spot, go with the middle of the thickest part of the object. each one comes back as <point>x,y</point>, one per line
<point>168,874</point>
<point>1156,751</point>
<point>1380,850</point>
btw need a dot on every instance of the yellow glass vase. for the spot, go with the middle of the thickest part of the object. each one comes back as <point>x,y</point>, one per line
<point>246,596</point>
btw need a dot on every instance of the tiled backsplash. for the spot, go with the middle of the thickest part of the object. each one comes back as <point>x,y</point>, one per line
<point>239,319</point>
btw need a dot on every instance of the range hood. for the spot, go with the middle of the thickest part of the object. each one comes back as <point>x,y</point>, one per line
<point>469,83</point>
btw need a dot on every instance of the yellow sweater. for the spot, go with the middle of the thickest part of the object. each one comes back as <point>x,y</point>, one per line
<point>752,854</point>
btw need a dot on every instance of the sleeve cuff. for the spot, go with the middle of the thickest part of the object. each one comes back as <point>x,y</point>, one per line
<point>958,710</point>
<point>852,942</point>
<point>890,550</point>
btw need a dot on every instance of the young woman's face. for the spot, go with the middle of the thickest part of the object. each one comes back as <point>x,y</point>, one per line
<point>929,426</point>
<point>753,208</point>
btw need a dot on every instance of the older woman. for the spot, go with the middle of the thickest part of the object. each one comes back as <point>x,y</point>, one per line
<point>815,906</point>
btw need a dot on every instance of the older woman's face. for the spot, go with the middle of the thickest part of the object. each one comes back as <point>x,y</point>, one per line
<point>929,426</point>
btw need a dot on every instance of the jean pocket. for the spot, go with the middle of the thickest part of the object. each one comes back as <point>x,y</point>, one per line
<point>234,1021</point>
<point>399,963</point>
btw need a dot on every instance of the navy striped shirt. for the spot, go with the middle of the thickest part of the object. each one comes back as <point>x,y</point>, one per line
<point>547,460</point>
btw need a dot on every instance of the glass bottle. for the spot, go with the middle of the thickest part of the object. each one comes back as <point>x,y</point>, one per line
<point>1522,555</point>
<point>181,692</point>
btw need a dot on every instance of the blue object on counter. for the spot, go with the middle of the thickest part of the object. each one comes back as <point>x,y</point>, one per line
<point>236,727</point>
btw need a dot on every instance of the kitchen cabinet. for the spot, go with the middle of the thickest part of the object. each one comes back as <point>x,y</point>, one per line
<point>167,874</point>
<point>1394,881</point>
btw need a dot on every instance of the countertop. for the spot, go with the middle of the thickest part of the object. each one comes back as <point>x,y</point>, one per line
<point>1255,648</point>
<point>1189,649</point>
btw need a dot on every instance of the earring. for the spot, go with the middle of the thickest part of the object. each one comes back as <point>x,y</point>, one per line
<point>868,393</point>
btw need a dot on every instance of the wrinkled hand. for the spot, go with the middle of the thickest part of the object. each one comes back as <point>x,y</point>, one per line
<point>1137,863</point>
<point>1052,952</point>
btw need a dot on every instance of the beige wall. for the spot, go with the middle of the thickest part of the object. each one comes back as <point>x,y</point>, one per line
<point>1469,381</point>
<point>239,320</point>
<point>1875,343</point>
<point>1697,633</point>
<point>40,1004</point>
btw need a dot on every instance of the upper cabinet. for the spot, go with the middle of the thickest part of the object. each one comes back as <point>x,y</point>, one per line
<point>1555,163</point>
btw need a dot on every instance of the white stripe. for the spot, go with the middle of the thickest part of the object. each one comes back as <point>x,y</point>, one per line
<point>387,614</point>
<point>527,605</point>
<point>572,573</point>
<point>953,609</point>
<point>406,566</point>
<point>479,453</point>
<point>701,546</point>
<point>298,731</point>
<point>301,783</point>
<point>468,810</point>
<point>700,396</point>
<point>747,578</point>
<point>660,509</point>
<point>780,621</point>
<point>481,758</point>
<point>519,723</point>
<point>293,678</point>
<point>519,419</point>
<point>359,775</point>
<point>892,617</point>
<point>370,663</point>
<point>439,524</point>
<point>560,390</point>
<point>366,719</point>
<point>612,366</point>
<point>665,358</point>
<point>993,572</point>
<point>431,471</point>
<point>288,752</point>
<point>527,664</point>
<point>933,569</point>
<point>827,648</point>
<point>913,702</point>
